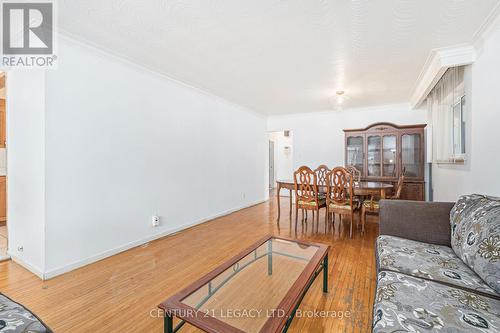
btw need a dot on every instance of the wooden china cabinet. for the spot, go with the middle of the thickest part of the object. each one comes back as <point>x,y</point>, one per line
<point>382,151</point>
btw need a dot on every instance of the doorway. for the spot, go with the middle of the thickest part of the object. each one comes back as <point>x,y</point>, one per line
<point>3,173</point>
<point>280,157</point>
<point>271,165</point>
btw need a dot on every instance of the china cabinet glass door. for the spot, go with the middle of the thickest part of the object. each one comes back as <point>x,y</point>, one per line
<point>355,152</point>
<point>389,156</point>
<point>411,155</point>
<point>374,144</point>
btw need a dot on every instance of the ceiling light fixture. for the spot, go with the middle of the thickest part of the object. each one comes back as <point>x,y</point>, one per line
<point>338,100</point>
<point>340,97</point>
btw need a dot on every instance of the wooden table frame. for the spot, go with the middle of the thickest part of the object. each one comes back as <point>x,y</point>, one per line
<point>363,188</point>
<point>288,185</point>
<point>289,304</point>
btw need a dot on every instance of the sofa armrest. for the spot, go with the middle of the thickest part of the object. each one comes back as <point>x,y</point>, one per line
<point>427,222</point>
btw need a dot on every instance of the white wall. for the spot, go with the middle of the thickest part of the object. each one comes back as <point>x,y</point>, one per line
<point>123,144</point>
<point>26,168</point>
<point>99,145</point>
<point>318,138</point>
<point>480,172</point>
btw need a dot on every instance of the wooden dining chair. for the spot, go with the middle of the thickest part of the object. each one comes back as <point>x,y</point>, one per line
<point>372,206</point>
<point>339,194</point>
<point>321,172</point>
<point>307,196</point>
<point>355,173</point>
<point>357,200</point>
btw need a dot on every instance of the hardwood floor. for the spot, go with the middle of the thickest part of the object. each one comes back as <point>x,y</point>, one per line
<point>118,294</point>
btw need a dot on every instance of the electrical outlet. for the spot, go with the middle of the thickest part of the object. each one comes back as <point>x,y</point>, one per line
<point>155,221</point>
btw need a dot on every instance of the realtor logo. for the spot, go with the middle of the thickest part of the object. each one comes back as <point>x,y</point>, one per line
<point>28,34</point>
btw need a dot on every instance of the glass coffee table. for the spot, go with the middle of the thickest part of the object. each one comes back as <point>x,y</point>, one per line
<point>258,290</point>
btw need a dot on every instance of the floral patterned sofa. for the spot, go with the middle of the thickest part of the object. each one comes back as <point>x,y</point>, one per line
<point>15,318</point>
<point>438,266</point>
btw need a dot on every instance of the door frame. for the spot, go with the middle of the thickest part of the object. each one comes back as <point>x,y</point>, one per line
<point>271,168</point>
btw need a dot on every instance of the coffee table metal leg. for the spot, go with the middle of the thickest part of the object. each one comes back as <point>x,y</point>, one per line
<point>325,274</point>
<point>168,323</point>
<point>325,289</point>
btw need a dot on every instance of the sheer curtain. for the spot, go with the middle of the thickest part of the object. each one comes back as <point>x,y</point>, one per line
<point>447,97</point>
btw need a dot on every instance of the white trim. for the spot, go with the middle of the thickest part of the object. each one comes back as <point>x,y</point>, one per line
<point>440,60</point>
<point>328,112</point>
<point>4,257</point>
<point>487,27</point>
<point>80,263</point>
<point>35,270</point>
<point>436,65</point>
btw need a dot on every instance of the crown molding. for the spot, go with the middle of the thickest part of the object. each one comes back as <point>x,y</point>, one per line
<point>489,25</point>
<point>436,65</point>
<point>440,60</point>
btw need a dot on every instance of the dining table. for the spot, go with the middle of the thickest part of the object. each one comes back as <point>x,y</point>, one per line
<point>361,188</point>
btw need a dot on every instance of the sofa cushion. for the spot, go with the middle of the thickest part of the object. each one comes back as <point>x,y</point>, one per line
<point>371,204</point>
<point>345,206</point>
<point>321,202</point>
<point>475,235</point>
<point>428,261</point>
<point>408,304</point>
<point>16,318</point>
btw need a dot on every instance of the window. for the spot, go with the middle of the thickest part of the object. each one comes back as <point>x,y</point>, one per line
<point>458,127</point>
<point>447,104</point>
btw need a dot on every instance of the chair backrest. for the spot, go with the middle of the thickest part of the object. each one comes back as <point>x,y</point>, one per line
<point>306,185</point>
<point>355,173</point>
<point>321,172</point>
<point>339,186</point>
<point>399,187</point>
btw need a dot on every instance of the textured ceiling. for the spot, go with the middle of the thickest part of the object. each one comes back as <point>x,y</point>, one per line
<point>280,56</point>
